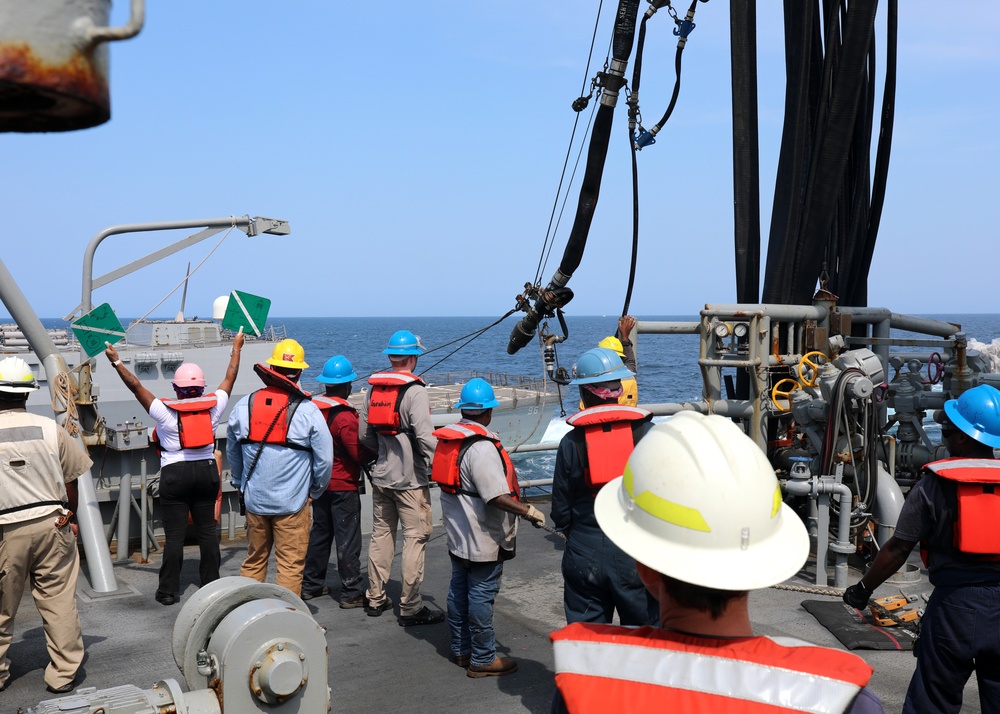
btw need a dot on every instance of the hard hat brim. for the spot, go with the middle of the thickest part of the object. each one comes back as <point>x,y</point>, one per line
<point>9,389</point>
<point>492,404</point>
<point>403,351</point>
<point>620,373</point>
<point>337,380</point>
<point>288,365</point>
<point>762,564</point>
<point>960,422</point>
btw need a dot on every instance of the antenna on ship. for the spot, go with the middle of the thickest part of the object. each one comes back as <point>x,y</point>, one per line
<point>184,294</point>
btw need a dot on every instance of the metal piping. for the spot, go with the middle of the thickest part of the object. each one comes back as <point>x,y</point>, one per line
<point>814,487</point>
<point>95,548</point>
<point>241,222</point>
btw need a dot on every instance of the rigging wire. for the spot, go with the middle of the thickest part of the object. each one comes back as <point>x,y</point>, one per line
<point>182,282</point>
<point>471,336</point>
<point>553,225</point>
<point>562,209</point>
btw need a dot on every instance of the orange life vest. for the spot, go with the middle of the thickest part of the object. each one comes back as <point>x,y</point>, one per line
<point>607,430</point>
<point>194,420</point>
<point>453,441</point>
<point>271,409</point>
<point>383,403</point>
<point>330,406</point>
<point>602,668</point>
<point>976,510</point>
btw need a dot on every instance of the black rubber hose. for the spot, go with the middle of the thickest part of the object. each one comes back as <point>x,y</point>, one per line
<point>746,152</point>
<point>858,293</point>
<point>624,35</point>
<point>830,157</point>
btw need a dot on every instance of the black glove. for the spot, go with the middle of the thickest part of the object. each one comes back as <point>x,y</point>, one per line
<point>857,595</point>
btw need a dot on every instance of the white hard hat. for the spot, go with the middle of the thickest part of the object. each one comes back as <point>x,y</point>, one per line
<point>699,502</point>
<point>16,376</point>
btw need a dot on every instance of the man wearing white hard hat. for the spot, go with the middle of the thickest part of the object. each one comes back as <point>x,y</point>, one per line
<point>39,465</point>
<point>700,509</point>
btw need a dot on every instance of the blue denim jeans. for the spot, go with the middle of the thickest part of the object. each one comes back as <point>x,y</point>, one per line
<point>474,587</point>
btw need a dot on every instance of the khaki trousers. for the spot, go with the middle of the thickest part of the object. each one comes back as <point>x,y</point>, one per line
<point>35,552</point>
<point>289,535</point>
<point>412,509</point>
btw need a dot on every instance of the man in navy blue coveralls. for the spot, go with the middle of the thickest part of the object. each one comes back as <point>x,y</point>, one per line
<point>960,631</point>
<point>598,576</point>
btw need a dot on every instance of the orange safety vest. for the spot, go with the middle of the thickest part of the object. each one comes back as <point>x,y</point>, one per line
<point>607,430</point>
<point>329,406</point>
<point>271,409</point>
<point>194,420</point>
<point>602,668</point>
<point>976,510</point>
<point>386,395</point>
<point>453,441</point>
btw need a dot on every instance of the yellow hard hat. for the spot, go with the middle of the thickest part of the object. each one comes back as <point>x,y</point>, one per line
<point>289,354</point>
<point>613,344</point>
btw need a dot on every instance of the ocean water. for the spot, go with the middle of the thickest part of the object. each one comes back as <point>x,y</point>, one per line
<point>667,364</point>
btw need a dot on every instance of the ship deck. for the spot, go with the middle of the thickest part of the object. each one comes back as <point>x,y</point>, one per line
<point>377,666</point>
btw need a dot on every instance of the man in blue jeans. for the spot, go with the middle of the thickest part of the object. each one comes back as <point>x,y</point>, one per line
<point>480,500</point>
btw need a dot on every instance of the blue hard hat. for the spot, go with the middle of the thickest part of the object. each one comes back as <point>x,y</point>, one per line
<point>337,370</point>
<point>404,342</point>
<point>977,413</point>
<point>477,394</point>
<point>599,365</point>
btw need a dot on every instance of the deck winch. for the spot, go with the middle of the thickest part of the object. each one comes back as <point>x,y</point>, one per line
<point>243,647</point>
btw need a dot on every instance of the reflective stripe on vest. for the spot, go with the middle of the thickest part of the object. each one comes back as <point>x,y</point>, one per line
<point>330,406</point>
<point>453,441</point>
<point>194,420</point>
<point>386,395</point>
<point>601,668</point>
<point>977,508</point>
<point>31,474</point>
<point>607,429</point>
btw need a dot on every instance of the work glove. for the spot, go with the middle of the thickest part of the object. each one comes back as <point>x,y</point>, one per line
<point>536,517</point>
<point>857,595</point>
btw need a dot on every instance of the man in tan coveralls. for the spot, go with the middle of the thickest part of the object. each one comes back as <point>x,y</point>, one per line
<point>395,421</point>
<point>39,465</point>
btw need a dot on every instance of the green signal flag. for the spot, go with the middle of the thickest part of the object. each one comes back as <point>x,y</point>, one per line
<point>98,326</point>
<point>246,311</point>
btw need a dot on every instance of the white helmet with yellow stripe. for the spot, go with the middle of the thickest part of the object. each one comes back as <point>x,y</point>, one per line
<point>699,502</point>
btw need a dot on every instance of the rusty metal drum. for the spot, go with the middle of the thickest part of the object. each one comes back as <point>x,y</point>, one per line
<point>54,63</point>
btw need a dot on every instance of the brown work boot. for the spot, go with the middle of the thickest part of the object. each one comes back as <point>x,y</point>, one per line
<point>499,667</point>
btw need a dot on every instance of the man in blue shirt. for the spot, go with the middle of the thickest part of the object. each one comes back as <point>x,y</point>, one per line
<point>280,454</point>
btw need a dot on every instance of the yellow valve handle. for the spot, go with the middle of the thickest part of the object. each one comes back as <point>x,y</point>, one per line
<point>814,366</point>
<point>777,392</point>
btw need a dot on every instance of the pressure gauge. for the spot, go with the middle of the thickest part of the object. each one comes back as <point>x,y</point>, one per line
<point>740,329</point>
<point>722,330</point>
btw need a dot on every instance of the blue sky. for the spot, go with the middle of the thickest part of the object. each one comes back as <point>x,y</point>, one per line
<point>415,148</point>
